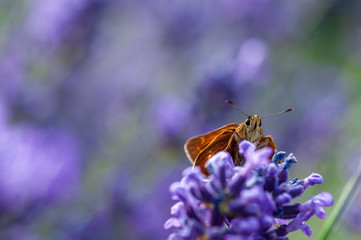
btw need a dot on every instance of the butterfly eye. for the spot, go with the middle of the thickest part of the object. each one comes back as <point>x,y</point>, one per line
<point>248,122</point>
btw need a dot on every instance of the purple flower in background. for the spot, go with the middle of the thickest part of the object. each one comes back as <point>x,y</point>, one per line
<point>182,22</point>
<point>273,19</point>
<point>251,62</point>
<point>58,15</point>
<point>174,119</point>
<point>36,165</point>
<point>50,22</point>
<point>248,202</point>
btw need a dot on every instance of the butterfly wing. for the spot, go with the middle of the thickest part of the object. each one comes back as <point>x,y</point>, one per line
<point>223,142</point>
<point>195,145</point>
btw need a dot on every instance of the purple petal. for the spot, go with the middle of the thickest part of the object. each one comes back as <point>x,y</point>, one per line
<point>174,236</point>
<point>283,199</point>
<point>265,154</point>
<point>325,199</point>
<point>313,179</point>
<point>290,211</point>
<point>215,233</point>
<point>245,226</point>
<point>298,222</point>
<point>221,166</point>
<point>235,237</point>
<point>193,170</point>
<point>178,192</point>
<point>296,191</point>
<point>266,222</point>
<point>221,158</point>
<point>268,203</point>
<point>270,177</point>
<point>281,221</point>
<point>306,230</point>
<point>254,159</point>
<point>283,176</point>
<point>252,195</point>
<point>172,222</point>
<point>246,146</point>
<point>195,229</point>
<point>194,182</point>
<point>289,161</point>
<point>177,209</point>
<point>319,201</point>
<point>235,184</point>
<point>278,157</point>
<point>314,206</point>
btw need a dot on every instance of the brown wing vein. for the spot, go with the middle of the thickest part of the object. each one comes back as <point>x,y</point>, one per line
<point>223,142</point>
<point>194,146</point>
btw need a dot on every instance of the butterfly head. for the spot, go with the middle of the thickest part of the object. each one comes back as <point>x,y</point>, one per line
<point>253,122</point>
<point>253,128</point>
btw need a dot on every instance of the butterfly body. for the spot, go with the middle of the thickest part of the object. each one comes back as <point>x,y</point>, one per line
<point>227,138</point>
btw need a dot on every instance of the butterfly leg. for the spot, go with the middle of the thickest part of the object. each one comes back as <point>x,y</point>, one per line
<point>266,141</point>
<point>239,160</point>
<point>232,148</point>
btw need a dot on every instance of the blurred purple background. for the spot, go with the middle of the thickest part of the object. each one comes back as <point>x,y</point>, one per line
<point>98,97</point>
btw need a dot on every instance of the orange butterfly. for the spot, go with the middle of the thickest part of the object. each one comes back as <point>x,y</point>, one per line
<point>201,148</point>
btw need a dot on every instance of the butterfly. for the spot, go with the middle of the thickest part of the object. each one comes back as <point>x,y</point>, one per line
<point>227,138</point>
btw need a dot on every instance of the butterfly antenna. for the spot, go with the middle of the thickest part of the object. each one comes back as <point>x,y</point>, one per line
<point>274,114</point>
<point>231,103</point>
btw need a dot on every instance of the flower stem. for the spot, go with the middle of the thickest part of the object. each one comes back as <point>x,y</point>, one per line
<point>343,201</point>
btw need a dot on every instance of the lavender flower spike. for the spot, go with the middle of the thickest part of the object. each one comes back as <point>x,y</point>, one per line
<point>243,202</point>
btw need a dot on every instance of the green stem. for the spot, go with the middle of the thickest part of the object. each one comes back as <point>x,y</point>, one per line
<point>340,206</point>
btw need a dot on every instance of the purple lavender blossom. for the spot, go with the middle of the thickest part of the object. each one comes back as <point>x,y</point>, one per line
<point>182,22</point>
<point>167,113</point>
<point>51,22</point>
<point>244,202</point>
<point>258,16</point>
<point>252,61</point>
<point>36,165</point>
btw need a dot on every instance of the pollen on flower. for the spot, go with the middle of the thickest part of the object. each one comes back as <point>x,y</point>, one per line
<point>208,205</point>
<point>234,202</point>
<point>203,237</point>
